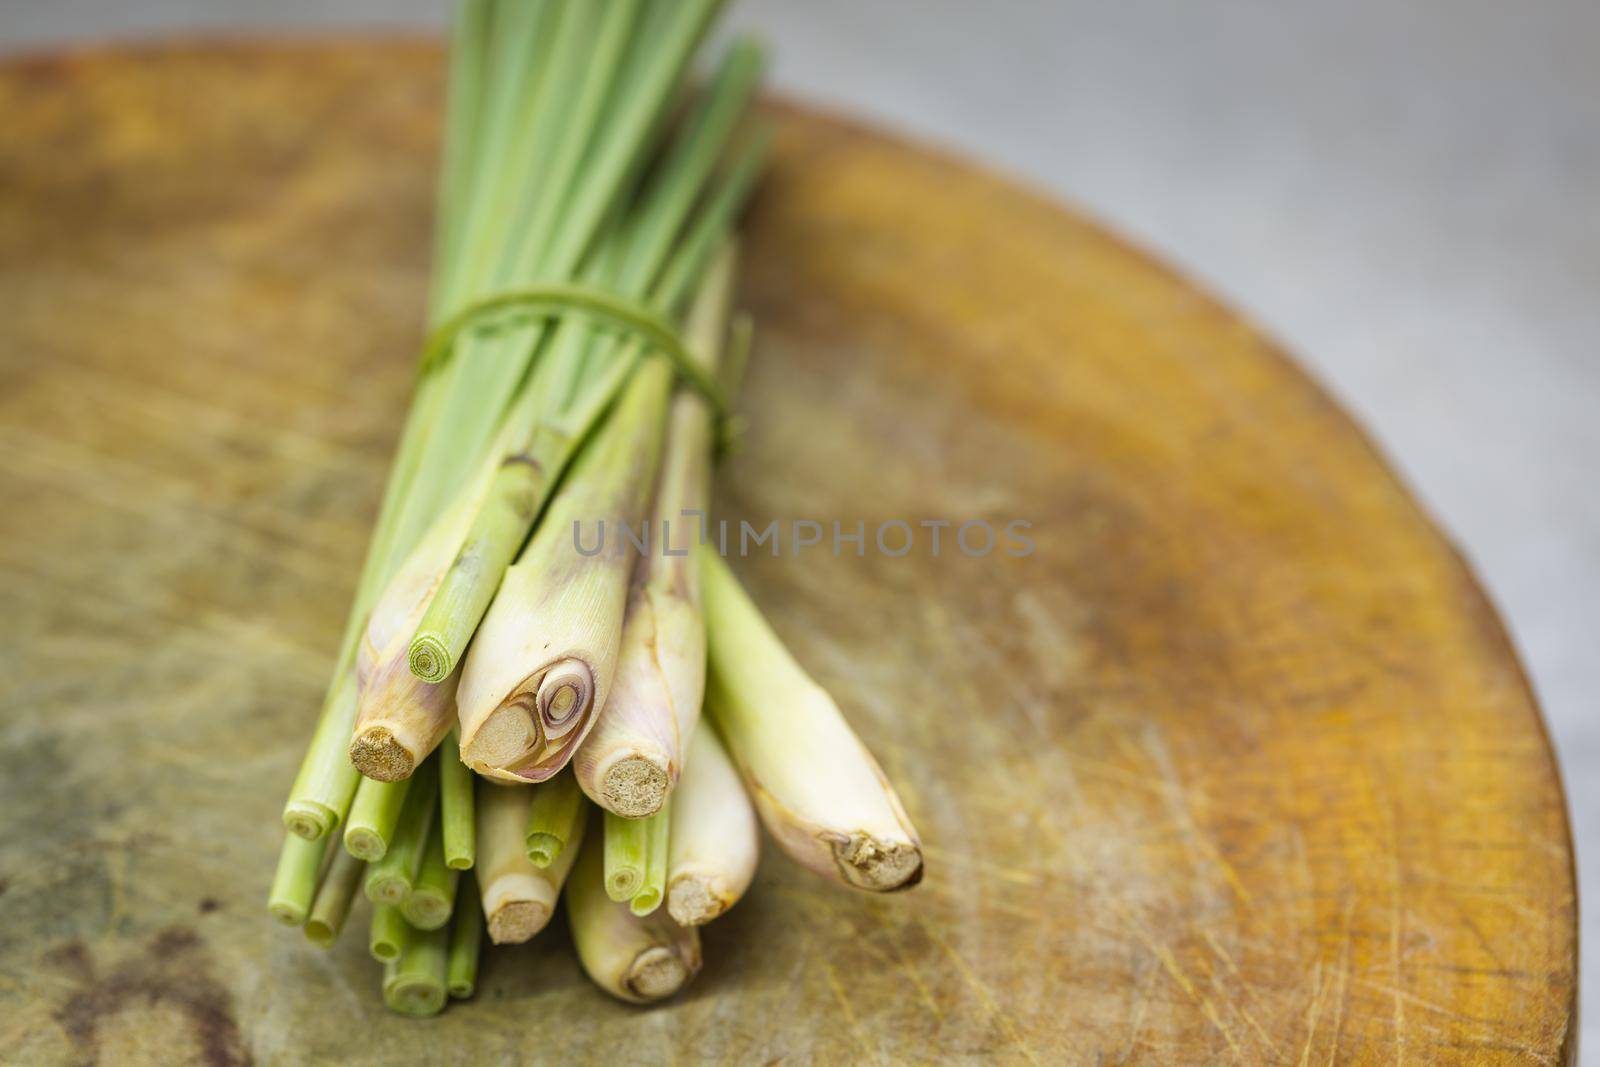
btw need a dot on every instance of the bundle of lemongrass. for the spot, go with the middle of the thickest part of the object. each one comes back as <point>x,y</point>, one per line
<point>577,375</point>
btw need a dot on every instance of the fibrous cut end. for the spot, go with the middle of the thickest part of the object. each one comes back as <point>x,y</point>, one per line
<point>692,902</point>
<point>655,973</point>
<point>517,921</point>
<point>506,738</point>
<point>429,659</point>
<point>868,862</point>
<point>635,787</point>
<point>378,754</point>
<point>416,997</point>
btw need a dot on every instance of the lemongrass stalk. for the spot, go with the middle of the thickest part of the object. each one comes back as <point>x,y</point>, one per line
<point>466,942</point>
<point>400,718</point>
<point>653,889</point>
<point>455,806</point>
<point>817,788</point>
<point>373,816</point>
<point>518,898</point>
<point>485,367</point>
<point>714,841</point>
<point>332,904</point>
<point>580,110</point>
<point>462,136</point>
<point>387,933</point>
<point>526,474</point>
<point>433,892</point>
<point>517,82</point>
<point>555,819</point>
<point>632,757</point>
<point>416,985</point>
<point>295,881</point>
<point>390,879</point>
<point>634,958</point>
<point>326,783</point>
<point>545,654</point>
<point>627,855</point>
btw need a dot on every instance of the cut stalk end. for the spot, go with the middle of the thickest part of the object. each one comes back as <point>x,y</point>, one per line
<point>426,910</point>
<point>416,995</point>
<point>429,658</point>
<point>622,884</point>
<point>507,737</point>
<point>565,693</point>
<point>882,866</point>
<point>645,901</point>
<point>544,848</point>
<point>387,933</point>
<point>308,819</point>
<point>365,844</point>
<point>517,921</point>
<point>388,888</point>
<point>378,754</point>
<point>693,900</point>
<point>655,973</point>
<point>321,933</point>
<point>635,786</point>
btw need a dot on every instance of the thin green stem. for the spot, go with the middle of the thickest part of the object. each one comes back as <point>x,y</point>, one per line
<point>326,783</point>
<point>627,848</point>
<point>387,933</point>
<point>373,816</point>
<point>466,942</point>
<point>554,818</point>
<point>390,879</point>
<point>647,898</point>
<point>332,904</point>
<point>456,815</point>
<point>295,882</point>
<point>416,986</point>
<point>433,892</point>
<point>464,110</point>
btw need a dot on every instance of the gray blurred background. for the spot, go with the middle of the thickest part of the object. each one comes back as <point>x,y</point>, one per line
<point>1405,192</point>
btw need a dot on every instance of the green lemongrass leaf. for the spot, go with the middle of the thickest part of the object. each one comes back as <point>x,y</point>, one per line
<point>332,904</point>
<point>554,818</point>
<point>373,816</point>
<point>466,941</point>
<point>627,855</point>
<point>391,878</point>
<point>295,881</point>
<point>416,983</point>
<point>433,891</point>
<point>387,933</point>
<point>456,814</point>
<point>648,897</point>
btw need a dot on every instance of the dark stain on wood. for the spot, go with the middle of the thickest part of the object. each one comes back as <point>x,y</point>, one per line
<point>171,970</point>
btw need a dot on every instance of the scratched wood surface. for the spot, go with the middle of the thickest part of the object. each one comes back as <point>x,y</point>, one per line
<point>1237,766</point>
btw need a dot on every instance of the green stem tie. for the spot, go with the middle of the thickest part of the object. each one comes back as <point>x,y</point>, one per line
<point>552,301</point>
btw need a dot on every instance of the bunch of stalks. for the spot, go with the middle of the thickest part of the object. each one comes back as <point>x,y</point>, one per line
<point>514,718</point>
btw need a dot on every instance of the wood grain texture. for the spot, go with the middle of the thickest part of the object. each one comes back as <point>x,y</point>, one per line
<point>1238,766</point>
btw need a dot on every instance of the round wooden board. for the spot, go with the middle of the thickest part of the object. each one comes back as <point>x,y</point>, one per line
<point>1236,766</point>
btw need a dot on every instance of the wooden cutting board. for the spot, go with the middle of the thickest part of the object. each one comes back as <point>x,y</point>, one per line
<point>1237,766</point>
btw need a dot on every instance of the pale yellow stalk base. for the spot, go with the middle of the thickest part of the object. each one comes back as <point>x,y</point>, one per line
<point>635,958</point>
<point>817,788</point>
<point>632,757</point>
<point>518,898</point>
<point>558,614</point>
<point>714,842</point>
<point>400,719</point>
